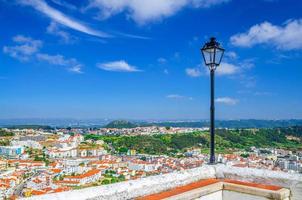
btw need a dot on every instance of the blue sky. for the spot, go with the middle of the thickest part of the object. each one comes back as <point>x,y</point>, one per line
<point>140,59</point>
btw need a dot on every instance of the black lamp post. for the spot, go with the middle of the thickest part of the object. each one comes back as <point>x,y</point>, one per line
<point>212,53</point>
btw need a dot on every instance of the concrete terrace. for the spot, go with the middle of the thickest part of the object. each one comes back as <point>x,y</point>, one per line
<point>207,182</point>
<point>221,189</point>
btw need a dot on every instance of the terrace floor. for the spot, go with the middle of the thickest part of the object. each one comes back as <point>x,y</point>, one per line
<point>222,189</point>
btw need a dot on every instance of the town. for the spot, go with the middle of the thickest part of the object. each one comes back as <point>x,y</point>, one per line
<point>42,161</point>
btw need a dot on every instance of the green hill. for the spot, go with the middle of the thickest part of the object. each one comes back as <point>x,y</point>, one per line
<point>226,141</point>
<point>121,124</point>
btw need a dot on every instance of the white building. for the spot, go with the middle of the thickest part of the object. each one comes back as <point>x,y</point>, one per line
<point>28,143</point>
<point>68,152</point>
<point>88,177</point>
<point>11,150</point>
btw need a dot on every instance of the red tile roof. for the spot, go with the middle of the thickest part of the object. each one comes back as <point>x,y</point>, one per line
<point>87,174</point>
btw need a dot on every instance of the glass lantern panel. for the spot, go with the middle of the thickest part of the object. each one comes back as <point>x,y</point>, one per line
<point>208,55</point>
<point>218,56</point>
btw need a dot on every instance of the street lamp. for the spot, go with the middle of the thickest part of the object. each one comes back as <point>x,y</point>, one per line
<point>212,53</point>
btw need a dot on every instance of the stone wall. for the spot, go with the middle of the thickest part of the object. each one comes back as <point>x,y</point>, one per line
<point>134,188</point>
<point>268,177</point>
<point>156,184</point>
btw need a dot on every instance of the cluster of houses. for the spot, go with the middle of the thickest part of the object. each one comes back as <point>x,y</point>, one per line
<point>39,162</point>
<point>148,130</point>
<point>265,158</point>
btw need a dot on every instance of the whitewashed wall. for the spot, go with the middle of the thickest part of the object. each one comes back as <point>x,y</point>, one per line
<point>134,188</point>
<point>156,184</point>
<point>287,180</point>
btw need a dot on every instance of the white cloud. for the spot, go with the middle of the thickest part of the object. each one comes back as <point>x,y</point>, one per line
<point>227,69</point>
<point>24,49</point>
<point>247,80</point>
<point>193,72</point>
<point>71,64</point>
<point>76,69</point>
<point>61,18</point>
<point>177,96</point>
<point>162,60</point>
<point>56,59</point>
<point>28,48</point>
<point>64,4</point>
<point>118,66</point>
<point>176,55</point>
<point>54,29</point>
<point>263,93</point>
<point>146,11</point>
<point>194,40</point>
<point>224,69</point>
<point>285,37</point>
<point>231,54</point>
<point>206,3</point>
<point>247,64</point>
<point>227,101</point>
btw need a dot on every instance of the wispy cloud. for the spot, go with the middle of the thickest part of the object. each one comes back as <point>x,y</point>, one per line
<point>29,49</point>
<point>64,4</point>
<point>231,55</point>
<point>247,81</point>
<point>162,60</point>
<point>227,69</point>
<point>76,69</point>
<point>285,37</point>
<point>143,12</point>
<point>263,93</point>
<point>61,18</point>
<point>118,66</point>
<point>128,35</point>
<point>24,49</point>
<point>177,96</point>
<point>71,64</point>
<point>257,93</point>
<point>227,101</point>
<point>194,40</point>
<point>176,55</point>
<point>194,72</point>
<point>54,29</point>
<point>233,68</point>
<point>224,69</point>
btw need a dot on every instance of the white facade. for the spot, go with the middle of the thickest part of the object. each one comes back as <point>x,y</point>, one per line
<point>62,153</point>
<point>11,150</point>
<point>27,143</point>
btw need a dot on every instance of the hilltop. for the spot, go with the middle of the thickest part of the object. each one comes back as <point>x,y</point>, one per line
<point>120,124</point>
<point>227,141</point>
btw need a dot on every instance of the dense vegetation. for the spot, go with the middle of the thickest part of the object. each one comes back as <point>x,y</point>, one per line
<point>248,123</point>
<point>4,133</point>
<point>121,124</point>
<point>62,123</point>
<point>293,131</point>
<point>4,142</point>
<point>226,141</point>
<point>44,127</point>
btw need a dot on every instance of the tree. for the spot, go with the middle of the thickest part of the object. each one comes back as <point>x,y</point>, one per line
<point>105,182</point>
